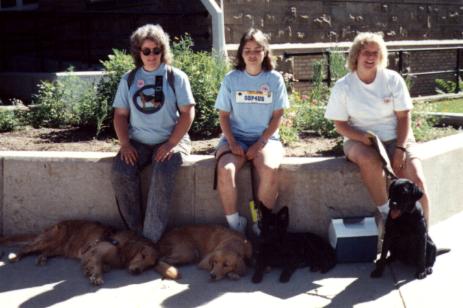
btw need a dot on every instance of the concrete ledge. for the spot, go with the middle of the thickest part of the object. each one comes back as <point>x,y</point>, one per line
<point>40,188</point>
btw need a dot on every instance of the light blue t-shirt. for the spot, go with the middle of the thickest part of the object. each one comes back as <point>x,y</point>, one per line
<point>251,100</point>
<point>153,112</point>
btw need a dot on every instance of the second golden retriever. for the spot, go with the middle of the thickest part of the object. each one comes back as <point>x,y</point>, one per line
<point>219,250</point>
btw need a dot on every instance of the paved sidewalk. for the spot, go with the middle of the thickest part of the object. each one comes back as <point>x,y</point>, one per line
<point>61,284</point>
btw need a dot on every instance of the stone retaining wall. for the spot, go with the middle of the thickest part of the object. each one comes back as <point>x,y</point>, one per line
<point>41,188</point>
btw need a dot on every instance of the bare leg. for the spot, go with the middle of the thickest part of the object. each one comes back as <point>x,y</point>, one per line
<point>371,170</point>
<point>267,163</point>
<point>228,166</point>
<point>413,171</point>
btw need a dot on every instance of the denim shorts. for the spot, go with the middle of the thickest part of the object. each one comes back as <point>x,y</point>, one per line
<point>245,143</point>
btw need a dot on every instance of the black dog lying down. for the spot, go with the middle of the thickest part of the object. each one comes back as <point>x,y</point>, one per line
<point>406,236</point>
<point>277,247</point>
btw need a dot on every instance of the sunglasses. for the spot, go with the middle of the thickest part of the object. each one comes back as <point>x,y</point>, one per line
<point>155,51</point>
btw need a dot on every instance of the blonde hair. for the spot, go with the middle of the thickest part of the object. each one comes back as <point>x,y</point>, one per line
<point>154,33</point>
<point>360,41</point>
<point>260,38</point>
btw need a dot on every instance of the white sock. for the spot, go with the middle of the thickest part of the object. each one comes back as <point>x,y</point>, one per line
<point>384,209</point>
<point>233,220</point>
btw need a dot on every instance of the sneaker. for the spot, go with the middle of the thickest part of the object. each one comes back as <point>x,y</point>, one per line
<point>256,229</point>
<point>242,225</point>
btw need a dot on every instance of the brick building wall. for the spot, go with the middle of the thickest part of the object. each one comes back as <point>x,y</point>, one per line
<point>299,21</point>
<point>419,64</point>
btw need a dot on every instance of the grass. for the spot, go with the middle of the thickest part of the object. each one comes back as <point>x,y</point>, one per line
<point>455,106</point>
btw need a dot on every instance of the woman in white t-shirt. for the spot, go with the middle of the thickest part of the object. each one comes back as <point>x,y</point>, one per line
<point>250,104</point>
<point>374,98</point>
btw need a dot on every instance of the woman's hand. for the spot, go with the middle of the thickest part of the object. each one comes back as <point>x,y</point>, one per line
<point>164,152</point>
<point>236,148</point>
<point>253,150</point>
<point>398,161</point>
<point>128,154</point>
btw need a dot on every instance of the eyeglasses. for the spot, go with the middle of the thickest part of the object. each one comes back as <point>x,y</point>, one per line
<point>155,51</point>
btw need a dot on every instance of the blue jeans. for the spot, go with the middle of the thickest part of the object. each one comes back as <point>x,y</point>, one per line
<point>125,179</point>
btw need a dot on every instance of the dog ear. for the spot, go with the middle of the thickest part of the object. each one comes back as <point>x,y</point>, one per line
<point>205,263</point>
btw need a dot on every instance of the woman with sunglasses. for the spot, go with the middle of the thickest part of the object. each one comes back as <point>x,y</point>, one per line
<point>152,116</point>
<point>250,103</point>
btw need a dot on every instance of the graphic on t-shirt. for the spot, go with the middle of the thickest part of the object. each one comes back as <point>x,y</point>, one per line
<point>148,99</point>
<point>253,97</point>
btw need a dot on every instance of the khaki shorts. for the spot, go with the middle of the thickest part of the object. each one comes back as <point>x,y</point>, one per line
<point>389,146</point>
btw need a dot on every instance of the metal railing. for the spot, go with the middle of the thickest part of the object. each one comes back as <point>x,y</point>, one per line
<point>457,71</point>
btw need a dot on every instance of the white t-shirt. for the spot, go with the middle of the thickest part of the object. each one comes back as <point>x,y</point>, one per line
<point>251,101</point>
<point>370,107</point>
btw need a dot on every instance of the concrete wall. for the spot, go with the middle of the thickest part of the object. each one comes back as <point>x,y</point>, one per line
<point>42,188</point>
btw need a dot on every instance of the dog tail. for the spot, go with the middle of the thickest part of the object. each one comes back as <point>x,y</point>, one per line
<point>167,271</point>
<point>441,251</point>
<point>18,238</point>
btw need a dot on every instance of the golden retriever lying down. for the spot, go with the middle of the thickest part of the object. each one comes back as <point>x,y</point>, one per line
<point>98,247</point>
<point>219,250</point>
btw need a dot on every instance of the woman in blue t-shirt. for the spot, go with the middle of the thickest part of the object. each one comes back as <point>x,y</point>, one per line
<point>250,104</point>
<point>153,111</point>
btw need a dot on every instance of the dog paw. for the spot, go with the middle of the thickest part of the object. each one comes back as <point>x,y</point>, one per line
<point>12,257</point>
<point>429,270</point>
<point>96,280</point>
<point>41,260</point>
<point>421,275</point>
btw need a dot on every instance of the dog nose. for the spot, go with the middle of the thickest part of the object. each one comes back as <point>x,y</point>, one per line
<point>135,270</point>
<point>213,276</point>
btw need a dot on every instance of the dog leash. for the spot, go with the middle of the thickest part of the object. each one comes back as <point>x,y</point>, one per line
<point>254,204</point>
<point>379,147</point>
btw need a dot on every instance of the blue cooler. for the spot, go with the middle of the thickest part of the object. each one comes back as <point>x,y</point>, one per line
<point>354,239</point>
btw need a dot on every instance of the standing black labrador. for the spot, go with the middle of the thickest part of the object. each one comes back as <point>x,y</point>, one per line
<point>406,236</point>
<point>280,248</point>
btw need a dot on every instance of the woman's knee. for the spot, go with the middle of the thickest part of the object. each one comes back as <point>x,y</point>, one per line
<point>367,159</point>
<point>121,168</point>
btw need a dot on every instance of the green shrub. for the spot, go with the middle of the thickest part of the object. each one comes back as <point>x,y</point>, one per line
<point>8,121</point>
<point>67,101</point>
<point>205,72</point>
<point>52,110</point>
<point>422,123</point>
<point>311,108</point>
<point>447,86</point>
<point>117,65</point>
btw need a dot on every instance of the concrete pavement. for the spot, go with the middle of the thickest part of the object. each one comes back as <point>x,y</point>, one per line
<point>61,284</point>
